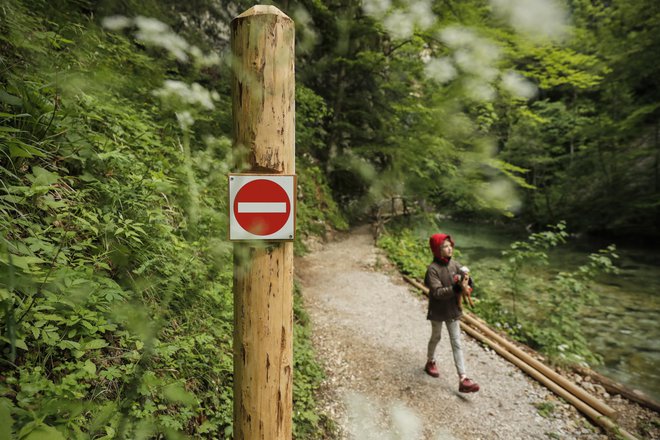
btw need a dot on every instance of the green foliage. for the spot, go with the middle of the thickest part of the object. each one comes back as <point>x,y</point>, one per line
<point>311,112</point>
<point>318,210</point>
<point>563,66</point>
<point>545,409</point>
<point>115,276</point>
<point>578,139</point>
<point>559,332</point>
<point>544,308</point>
<point>553,325</point>
<point>307,377</point>
<point>460,110</point>
<point>409,252</point>
<point>527,254</point>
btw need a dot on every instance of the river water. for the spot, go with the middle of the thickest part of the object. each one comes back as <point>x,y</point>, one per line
<point>624,327</point>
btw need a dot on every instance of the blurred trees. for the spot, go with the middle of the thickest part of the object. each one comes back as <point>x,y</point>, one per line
<point>591,139</point>
<point>480,113</point>
<point>539,110</point>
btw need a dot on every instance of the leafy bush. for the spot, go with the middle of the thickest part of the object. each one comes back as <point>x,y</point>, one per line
<point>408,251</point>
<point>115,277</point>
<point>550,305</point>
<point>307,377</point>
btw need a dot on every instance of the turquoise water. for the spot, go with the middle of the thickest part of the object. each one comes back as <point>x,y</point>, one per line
<point>623,328</point>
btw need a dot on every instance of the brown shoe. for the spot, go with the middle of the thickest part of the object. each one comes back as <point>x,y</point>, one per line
<point>468,386</point>
<point>431,369</point>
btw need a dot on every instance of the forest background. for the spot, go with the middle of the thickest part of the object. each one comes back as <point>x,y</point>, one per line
<point>115,286</point>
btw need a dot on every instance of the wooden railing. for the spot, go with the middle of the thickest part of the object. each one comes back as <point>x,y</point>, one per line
<point>598,411</point>
<point>389,208</point>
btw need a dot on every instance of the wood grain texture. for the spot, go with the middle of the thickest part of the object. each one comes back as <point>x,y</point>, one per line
<point>263,92</point>
<point>263,101</point>
<point>263,336</point>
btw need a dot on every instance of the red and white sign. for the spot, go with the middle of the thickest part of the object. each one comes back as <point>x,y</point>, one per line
<point>261,207</point>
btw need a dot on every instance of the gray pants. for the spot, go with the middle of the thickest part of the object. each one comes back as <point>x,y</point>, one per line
<point>454,329</point>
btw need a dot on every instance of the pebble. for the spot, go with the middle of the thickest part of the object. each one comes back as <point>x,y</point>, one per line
<point>589,387</point>
<point>506,403</point>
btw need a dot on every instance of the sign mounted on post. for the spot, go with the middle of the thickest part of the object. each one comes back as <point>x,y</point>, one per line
<point>262,207</point>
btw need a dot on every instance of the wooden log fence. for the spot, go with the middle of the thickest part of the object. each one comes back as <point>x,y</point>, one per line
<point>548,372</point>
<point>397,205</point>
<point>595,409</point>
<point>610,385</point>
<point>613,387</point>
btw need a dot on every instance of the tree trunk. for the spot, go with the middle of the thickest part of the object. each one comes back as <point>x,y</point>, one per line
<point>263,98</point>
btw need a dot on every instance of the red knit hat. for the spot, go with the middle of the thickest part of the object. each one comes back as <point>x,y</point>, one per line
<point>436,241</point>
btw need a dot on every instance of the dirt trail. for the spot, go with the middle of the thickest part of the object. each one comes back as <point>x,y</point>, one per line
<point>370,332</point>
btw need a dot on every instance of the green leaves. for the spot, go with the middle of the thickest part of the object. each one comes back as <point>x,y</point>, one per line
<point>408,251</point>
<point>36,431</point>
<point>42,178</point>
<point>559,301</point>
<point>175,392</point>
<point>19,149</point>
<point>539,309</point>
<point>6,420</point>
<point>561,66</point>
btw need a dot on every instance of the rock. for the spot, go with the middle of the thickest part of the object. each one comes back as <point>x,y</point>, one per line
<point>588,386</point>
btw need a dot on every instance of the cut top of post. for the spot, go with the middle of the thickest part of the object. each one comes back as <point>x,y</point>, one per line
<point>263,10</point>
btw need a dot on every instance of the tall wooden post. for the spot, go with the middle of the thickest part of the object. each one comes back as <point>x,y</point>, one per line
<point>263,100</point>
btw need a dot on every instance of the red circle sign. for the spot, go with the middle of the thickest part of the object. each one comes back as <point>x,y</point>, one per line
<point>261,207</point>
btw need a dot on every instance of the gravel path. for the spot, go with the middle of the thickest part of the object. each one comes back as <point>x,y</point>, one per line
<point>370,332</point>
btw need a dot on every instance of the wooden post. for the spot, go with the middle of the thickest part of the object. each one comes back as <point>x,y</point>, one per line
<point>263,101</point>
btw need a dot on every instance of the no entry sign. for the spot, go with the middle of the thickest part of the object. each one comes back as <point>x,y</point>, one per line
<point>261,207</point>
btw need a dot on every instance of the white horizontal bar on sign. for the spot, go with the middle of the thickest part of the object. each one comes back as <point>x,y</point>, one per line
<point>265,207</point>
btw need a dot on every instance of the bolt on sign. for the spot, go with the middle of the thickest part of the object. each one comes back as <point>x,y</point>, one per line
<point>262,207</point>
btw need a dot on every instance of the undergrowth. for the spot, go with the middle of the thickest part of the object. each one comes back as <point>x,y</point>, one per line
<point>537,309</point>
<point>115,273</point>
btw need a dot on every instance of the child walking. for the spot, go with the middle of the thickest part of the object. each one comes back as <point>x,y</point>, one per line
<point>446,284</point>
